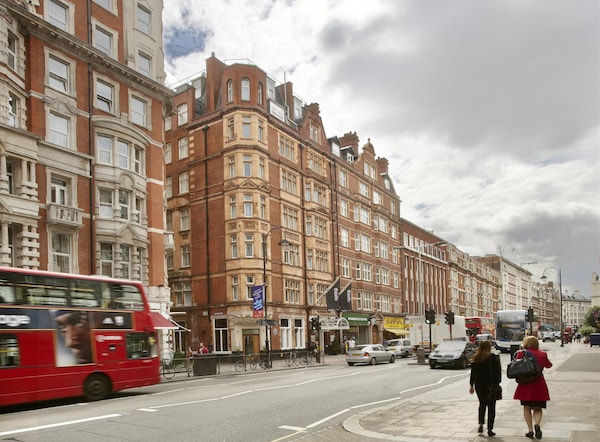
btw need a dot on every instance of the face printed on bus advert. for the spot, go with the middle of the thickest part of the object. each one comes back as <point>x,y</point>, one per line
<point>75,329</point>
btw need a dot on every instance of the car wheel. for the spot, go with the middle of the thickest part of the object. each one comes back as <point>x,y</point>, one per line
<point>373,361</point>
<point>392,359</point>
<point>350,364</point>
<point>431,365</point>
<point>405,354</point>
<point>464,363</point>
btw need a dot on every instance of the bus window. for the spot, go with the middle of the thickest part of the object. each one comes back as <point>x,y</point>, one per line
<point>127,297</point>
<point>9,351</point>
<point>7,294</point>
<point>106,296</point>
<point>85,294</point>
<point>44,290</point>
<point>140,345</point>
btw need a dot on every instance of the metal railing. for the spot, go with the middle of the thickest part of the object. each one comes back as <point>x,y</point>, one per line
<point>223,364</point>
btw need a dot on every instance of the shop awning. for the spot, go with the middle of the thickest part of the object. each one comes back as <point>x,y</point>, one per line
<point>160,322</point>
<point>397,331</point>
<point>356,318</point>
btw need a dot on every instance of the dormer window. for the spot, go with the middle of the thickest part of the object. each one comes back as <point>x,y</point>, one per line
<point>245,89</point>
<point>369,170</point>
<point>229,91</point>
<point>315,134</point>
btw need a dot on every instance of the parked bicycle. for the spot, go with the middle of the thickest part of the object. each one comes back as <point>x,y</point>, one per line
<point>300,358</point>
<point>251,361</point>
<point>167,369</point>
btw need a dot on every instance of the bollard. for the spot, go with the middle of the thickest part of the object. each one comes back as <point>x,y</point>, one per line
<point>421,356</point>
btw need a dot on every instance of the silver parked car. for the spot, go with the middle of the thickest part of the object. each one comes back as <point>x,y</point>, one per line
<point>369,354</point>
<point>452,354</point>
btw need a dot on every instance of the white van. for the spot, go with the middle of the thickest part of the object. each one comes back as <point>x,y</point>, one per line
<point>401,347</point>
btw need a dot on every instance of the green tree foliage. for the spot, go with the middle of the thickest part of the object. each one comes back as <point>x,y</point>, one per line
<point>586,330</point>
<point>592,317</point>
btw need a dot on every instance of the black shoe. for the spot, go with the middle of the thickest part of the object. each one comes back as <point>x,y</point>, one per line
<point>529,435</point>
<point>491,433</point>
<point>480,429</point>
<point>538,431</point>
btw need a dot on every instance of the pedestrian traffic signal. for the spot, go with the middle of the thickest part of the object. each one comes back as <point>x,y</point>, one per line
<point>449,318</point>
<point>430,316</point>
<point>530,314</point>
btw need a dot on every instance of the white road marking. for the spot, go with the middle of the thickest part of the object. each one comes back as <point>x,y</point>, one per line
<point>236,394</point>
<point>59,424</point>
<point>314,424</point>
<point>289,427</point>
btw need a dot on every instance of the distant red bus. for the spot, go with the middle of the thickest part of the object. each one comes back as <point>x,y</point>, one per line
<point>479,325</point>
<point>64,335</point>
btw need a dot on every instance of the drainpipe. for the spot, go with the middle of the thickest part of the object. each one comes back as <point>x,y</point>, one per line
<point>207,250</point>
<point>92,239</point>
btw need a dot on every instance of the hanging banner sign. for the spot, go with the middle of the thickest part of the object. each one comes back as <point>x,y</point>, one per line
<point>258,309</point>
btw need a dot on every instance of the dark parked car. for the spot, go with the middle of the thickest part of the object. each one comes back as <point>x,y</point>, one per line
<point>452,354</point>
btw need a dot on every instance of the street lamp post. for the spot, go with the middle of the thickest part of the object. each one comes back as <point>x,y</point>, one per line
<point>557,270</point>
<point>284,243</point>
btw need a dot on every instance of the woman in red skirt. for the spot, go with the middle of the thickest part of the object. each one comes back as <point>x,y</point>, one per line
<point>533,396</point>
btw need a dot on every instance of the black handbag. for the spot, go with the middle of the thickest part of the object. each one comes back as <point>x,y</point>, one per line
<point>495,393</point>
<point>495,390</point>
<point>525,369</point>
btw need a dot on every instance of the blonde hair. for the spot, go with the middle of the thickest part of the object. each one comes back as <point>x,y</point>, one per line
<point>531,342</point>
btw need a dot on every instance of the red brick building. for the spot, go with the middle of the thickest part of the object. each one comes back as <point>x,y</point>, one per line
<point>249,165</point>
<point>81,146</point>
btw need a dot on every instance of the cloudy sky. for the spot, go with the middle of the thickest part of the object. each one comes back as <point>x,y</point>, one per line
<point>488,111</point>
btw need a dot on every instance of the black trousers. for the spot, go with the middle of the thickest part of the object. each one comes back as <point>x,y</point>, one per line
<point>482,394</point>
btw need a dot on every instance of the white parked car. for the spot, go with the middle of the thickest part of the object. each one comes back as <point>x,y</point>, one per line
<point>369,354</point>
<point>401,347</point>
<point>548,336</point>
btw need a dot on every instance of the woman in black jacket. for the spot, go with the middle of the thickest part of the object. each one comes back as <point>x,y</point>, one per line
<point>485,373</point>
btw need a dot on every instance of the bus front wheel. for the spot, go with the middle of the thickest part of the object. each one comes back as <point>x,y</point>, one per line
<point>96,387</point>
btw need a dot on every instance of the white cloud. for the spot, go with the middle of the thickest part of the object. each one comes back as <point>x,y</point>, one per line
<point>488,111</point>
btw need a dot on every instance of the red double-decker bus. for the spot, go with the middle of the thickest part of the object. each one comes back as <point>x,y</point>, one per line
<point>479,325</point>
<point>65,335</point>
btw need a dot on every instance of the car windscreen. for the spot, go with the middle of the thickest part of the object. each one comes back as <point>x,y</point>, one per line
<point>458,345</point>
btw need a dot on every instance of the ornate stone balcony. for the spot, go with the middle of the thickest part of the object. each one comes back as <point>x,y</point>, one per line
<point>65,215</point>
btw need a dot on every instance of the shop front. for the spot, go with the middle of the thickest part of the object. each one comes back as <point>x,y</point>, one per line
<point>359,327</point>
<point>395,327</point>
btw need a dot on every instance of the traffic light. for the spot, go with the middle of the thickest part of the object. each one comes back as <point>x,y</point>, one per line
<point>530,314</point>
<point>315,324</point>
<point>430,316</point>
<point>449,318</point>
